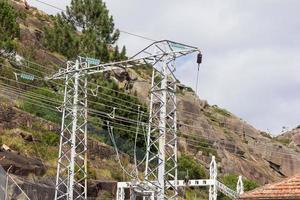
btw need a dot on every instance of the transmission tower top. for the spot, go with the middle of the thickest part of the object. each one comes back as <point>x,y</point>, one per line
<point>157,51</point>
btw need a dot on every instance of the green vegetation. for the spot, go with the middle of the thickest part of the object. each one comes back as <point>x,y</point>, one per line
<point>196,193</point>
<point>188,163</point>
<point>145,71</point>
<point>9,28</point>
<point>284,141</point>
<point>117,56</point>
<point>221,111</point>
<point>86,29</point>
<point>38,107</point>
<point>62,38</point>
<point>230,180</point>
<point>109,96</point>
<point>189,89</point>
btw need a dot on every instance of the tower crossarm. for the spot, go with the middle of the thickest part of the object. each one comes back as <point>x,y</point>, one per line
<point>154,53</point>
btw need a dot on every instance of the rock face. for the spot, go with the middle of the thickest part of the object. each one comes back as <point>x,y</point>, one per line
<point>11,118</point>
<point>21,165</point>
<point>291,138</point>
<point>241,148</point>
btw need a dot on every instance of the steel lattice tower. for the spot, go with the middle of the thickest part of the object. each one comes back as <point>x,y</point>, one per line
<point>161,159</point>
<point>161,162</point>
<point>71,180</point>
<point>213,173</point>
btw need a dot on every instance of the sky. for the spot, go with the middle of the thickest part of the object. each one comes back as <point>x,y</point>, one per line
<point>251,50</point>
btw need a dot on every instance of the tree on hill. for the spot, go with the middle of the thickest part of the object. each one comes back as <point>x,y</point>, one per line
<point>62,38</point>
<point>9,28</point>
<point>93,15</point>
<point>87,29</point>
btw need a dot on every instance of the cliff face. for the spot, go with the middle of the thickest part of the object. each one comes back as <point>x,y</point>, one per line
<point>207,130</point>
<point>291,139</point>
<point>240,147</point>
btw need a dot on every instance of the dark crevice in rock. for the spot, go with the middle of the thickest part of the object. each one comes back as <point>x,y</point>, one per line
<point>276,168</point>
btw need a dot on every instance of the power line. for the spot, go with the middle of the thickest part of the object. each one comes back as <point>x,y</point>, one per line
<point>119,118</point>
<point>119,92</point>
<point>187,139</point>
<point>129,102</point>
<point>96,103</point>
<point>122,31</point>
<point>50,5</point>
<point>123,119</point>
<point>139,36</point>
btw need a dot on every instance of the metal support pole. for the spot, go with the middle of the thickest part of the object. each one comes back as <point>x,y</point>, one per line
<point>6,183</point>
<point>120,193</point>
<point>161,160</point>
<point>213,171</point>
<point>85,148</point>
<point>240,186</point>
<point>73,135</point>
<point>148,153</point>
<point>58,179</point>
<point>162,134</point>
<point>71,180</point>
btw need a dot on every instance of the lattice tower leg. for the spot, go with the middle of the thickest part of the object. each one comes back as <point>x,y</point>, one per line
<point>161,160</point>
<point>71,179</point>
<point>240,186</point>
<point>213,171</point>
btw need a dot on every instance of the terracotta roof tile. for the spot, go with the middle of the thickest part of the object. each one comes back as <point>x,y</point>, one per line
<point>286,189</point>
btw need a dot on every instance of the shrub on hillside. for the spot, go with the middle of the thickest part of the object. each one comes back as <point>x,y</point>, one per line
<point>188,163</point>
<point>9,28</point>
<point>230,180</point>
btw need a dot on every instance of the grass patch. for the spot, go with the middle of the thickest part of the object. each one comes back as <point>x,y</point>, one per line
<point>230,180</point>
<point>284,141</point>
<point>221,111</point>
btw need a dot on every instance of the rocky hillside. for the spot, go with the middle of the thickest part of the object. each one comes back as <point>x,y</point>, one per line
<point>291,138</point>
<point>204,130</point>
<point>207,130</point>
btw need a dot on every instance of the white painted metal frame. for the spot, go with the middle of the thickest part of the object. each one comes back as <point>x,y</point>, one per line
<point>240,186</point>
<point>71,180</point>
<point>213,173</point>
<point>213,183</point>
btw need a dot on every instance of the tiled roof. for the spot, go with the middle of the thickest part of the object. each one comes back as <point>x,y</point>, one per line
<point>286,189</point>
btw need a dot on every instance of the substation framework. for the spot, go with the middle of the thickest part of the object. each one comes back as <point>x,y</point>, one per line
<point>138,190</point>
<point>161,157</point>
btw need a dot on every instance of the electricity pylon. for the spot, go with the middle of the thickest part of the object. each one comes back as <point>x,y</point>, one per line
<point>161,158</point>
<point>161,162</point>
<point>71,178</point>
